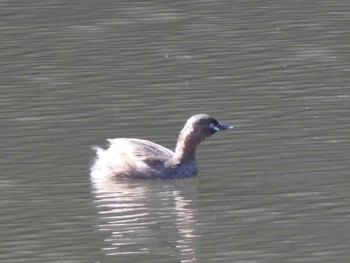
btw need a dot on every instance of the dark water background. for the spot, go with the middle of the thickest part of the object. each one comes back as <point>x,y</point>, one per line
<point>274,189</point>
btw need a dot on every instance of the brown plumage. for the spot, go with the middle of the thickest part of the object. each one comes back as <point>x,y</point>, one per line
<point>145,159</point>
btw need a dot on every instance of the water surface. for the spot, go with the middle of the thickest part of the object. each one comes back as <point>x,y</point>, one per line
<point>273,189</point>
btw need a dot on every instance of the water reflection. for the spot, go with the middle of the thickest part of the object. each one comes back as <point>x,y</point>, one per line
<point>147,217</point>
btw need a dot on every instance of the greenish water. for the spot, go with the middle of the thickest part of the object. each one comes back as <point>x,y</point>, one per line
<point>273,189</point>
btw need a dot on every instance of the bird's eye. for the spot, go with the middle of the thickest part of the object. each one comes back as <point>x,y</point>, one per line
<point>214,127</point>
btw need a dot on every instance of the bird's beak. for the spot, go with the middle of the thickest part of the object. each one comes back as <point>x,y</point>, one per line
<point>223,126</point>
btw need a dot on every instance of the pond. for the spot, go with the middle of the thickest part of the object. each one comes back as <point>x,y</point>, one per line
<point>273,189</point>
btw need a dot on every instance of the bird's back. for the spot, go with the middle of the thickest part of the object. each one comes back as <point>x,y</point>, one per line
<point>132,158</point>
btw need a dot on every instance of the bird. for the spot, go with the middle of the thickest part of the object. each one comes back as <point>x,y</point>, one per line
<point>138,158</point>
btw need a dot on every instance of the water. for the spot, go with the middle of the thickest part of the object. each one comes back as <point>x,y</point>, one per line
<point>273,189</point>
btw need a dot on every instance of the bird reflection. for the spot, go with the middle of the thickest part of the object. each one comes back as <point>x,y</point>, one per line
<point>147,217</point>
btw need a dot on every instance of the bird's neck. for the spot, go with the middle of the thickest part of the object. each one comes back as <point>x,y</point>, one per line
<point>186,147</point>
